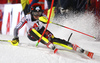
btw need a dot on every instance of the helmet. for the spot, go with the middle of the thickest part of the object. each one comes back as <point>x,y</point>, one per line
<point>36,10</point>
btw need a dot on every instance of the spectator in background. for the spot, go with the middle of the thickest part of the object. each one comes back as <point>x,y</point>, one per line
<point>64,5</point>
<point>3,1</point>
<point>1,15</point>
<point>94,6</point>
<point>25,4</point>
<point>79,5</point>
<point>50,1</point>
<point>91,5</point>
<point>59,7</point>
<point>13,1</point>
<point>53,9</point>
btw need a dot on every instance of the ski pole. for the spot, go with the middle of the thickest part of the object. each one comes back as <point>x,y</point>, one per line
<point>73,30</point>
<point>70,36</point>
<point>9,42</point>
<point>5,40</point>
<point>47,23</point>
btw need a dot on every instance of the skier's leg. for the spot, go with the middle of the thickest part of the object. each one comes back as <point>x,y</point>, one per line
<point>63,43</point>
<point>44,40</point>
<point>31,37</point>
<point>37,35</point>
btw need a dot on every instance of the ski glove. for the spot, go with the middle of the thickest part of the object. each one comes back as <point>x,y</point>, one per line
<point>44,19</point>
<point>15,41</point>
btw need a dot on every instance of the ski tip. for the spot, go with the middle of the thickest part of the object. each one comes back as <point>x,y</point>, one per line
<point>55,50</point>
<point>90,54</point>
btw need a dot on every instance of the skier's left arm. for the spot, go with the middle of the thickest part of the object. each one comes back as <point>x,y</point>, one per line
<point>15,40</point>
<point>19,26</point>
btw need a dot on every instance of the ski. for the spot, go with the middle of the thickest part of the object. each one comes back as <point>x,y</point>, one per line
<point>89,54</point>
<point>75,48</point>
<point>80,50</point>
<point>55,50</point>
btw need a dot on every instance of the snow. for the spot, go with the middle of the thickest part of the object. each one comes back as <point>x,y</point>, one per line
<point>27,52</point>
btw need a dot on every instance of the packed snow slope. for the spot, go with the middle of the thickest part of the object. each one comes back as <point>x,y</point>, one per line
<point>26,52</point>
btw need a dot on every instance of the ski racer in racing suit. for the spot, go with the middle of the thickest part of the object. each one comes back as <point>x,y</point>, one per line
<point>34,22</point>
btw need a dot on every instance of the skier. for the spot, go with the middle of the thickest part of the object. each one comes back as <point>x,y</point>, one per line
<point>35,21</point>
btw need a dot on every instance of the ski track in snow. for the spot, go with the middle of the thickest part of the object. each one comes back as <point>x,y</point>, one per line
<point>26,52</point>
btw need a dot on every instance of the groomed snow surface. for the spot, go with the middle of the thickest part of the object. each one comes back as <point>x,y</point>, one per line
<point>26,52</point>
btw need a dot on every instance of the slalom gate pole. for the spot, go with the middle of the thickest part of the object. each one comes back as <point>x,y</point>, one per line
<point>47,23</point>
<point>74,30</point>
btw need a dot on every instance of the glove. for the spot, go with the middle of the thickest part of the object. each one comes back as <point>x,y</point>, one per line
<point>15,41</point>
<point>44,19</point>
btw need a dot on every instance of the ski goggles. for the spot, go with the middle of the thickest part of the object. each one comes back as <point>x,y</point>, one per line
<point>37,13</point>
